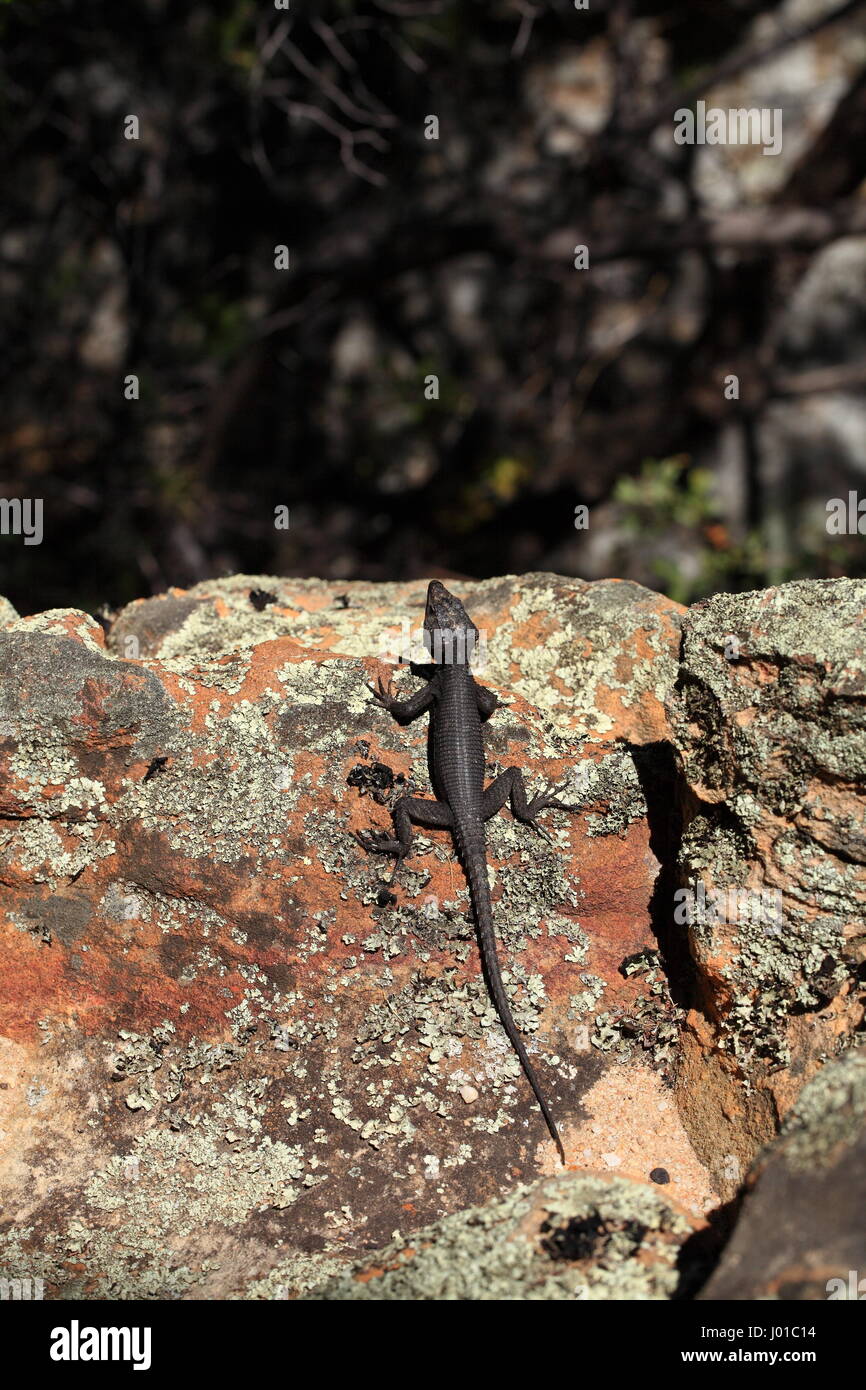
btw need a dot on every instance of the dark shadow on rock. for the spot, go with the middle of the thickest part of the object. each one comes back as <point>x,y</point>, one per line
<point>656,766</point>
<point>700,1254</point>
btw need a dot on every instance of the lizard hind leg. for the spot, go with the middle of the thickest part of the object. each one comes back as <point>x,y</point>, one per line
<point>509,786</point>
<point>407,809</point>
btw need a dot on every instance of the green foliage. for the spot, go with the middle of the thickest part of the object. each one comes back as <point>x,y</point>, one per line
<point>505,477</point>
<point>233,34</point>
<point>223,323</point>
<point>482,497</point>
<point>666,492</point>
<point>669,496</point>
<point>670,509</point>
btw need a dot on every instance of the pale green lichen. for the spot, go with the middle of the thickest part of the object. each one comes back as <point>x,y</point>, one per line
<point>650,1025</point>
<point>585,1000</point>
<point>828,1118</point>
<point>601,621</point>
<point>592,1238</point>
<point>8,614</point>
<point>295,1274</point>
<point>769,713</point>
<point>614,781</point>
<point>55,621</point>
<point>38,847</point>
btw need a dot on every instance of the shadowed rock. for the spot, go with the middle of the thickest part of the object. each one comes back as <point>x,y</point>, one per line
<point>801,1234</point>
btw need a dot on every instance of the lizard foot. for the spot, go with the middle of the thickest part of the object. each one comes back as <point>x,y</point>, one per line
<point>548,800</point>
<point>382,694</point>
<point>379,842</point>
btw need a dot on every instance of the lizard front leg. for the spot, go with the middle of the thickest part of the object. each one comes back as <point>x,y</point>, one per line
<point>404,711</point>
<point>509,786</point>
<point>407,808</point>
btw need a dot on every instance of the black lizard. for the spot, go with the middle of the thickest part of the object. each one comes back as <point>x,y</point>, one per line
<point>458,706</point>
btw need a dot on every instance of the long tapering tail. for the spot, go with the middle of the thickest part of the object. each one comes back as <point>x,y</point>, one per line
<point>473,855</point>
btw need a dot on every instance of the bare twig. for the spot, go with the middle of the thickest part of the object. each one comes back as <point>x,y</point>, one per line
<point>266,49</point>
<point>409,11</point>
<point>329,38</point>
<point>528,16</point>
<point>841,378</point>
<point>303,310</point>
<point>339,98</point>
<point>347,138</point>
<point>274,43</point>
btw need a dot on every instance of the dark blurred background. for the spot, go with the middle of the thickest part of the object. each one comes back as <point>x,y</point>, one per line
<point>410,257</point>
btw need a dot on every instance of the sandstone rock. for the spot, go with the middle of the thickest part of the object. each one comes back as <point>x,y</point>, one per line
<point>801,1234</point>
<point>768,716</point>
<point>581,1236</point>
<point>595,658</point>
<point>231,1055</point>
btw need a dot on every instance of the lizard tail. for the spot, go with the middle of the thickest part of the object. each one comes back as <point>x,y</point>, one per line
<point>474,857</point>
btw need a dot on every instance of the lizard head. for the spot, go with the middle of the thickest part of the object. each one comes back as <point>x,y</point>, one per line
<point>449,633</point>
